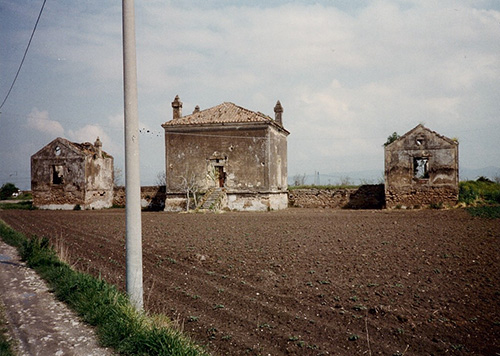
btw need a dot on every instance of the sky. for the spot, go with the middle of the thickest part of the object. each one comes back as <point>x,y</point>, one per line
<point>348,74</point>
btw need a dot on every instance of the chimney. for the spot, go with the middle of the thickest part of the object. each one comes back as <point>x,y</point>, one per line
<point>98,146</point>
<point>196,109</point>
<point>177,107</point>
<point>278,110</point>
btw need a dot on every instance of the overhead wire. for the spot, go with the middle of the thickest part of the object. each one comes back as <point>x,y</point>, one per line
<point>24,56</point>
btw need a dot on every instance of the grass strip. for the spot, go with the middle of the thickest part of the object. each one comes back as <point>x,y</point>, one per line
<point>101,305</point>
<point>485,211</point>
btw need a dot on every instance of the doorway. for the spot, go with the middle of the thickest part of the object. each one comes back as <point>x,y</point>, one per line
<point>221,175</point>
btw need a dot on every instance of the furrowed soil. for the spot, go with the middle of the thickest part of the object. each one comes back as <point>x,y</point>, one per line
<point>303,281</point>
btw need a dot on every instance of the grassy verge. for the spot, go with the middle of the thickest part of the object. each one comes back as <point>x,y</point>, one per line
<point>482,197</point>
<point>23,205</point>
<point>101,305</point>
<point>489,212</point>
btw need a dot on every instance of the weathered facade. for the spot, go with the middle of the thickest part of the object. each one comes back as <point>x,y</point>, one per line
<point>421,168</point>
<point>65,175</point>
<point>230,149</point>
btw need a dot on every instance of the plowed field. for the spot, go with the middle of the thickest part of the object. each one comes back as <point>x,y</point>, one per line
<point>303,281</point>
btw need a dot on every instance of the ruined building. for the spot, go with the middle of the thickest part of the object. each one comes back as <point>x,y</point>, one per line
<point>421,169</point>
<point>68,175</point>
<point>237,155</point>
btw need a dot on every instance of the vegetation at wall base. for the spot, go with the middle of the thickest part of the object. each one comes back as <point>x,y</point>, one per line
<point>480,191</point>
<point>482,197</point>
<point>22,205</point>
<point>100,304</point>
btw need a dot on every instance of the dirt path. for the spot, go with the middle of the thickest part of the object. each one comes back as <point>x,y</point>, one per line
<point>40,324</point>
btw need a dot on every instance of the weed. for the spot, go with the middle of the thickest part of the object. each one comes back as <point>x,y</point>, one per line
<point>265,326</point>
<point>324,282</point>
<point>193,318</point>
<point>353,337</point>
<point>293,338</point>
<point>219,306</point>
<point>438,205</point>
<point>354,298</point>
<point>359,307</point>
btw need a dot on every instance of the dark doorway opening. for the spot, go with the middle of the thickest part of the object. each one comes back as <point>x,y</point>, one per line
<point>221,175</point>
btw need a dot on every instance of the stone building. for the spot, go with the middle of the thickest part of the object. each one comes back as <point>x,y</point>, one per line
<point>236,157</point>
<point>421,169</point>
<point>65,175</point>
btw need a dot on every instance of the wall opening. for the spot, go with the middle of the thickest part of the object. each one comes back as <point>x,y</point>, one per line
<point>57,174</point>
<point>221,176</point>
<point>421,167</point>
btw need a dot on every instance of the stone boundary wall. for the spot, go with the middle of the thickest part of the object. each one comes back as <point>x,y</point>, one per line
<point>420,197</point>
<point>365,197</point>
<point>152,197</point>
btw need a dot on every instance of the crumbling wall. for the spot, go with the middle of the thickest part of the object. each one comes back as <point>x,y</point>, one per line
<point>152,197</point>
<point>99,182</point>
<point>421,168</point>
<point>420,197</point>
<point>57,181</point>
<point>364,197</point>
<point>66,175</point>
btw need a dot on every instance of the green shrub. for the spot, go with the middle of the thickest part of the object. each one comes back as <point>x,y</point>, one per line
<point>481,191</point>
<point>7,190</point>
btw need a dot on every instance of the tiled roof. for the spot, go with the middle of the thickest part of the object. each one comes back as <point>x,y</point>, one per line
<point>224,113</point>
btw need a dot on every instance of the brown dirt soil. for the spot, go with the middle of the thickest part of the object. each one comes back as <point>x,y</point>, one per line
<point>303,281</point>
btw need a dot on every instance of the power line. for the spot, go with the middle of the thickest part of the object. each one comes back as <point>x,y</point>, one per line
<point>24,56</point>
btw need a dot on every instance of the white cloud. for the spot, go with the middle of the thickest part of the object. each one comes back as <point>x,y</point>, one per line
<point>39,121</point>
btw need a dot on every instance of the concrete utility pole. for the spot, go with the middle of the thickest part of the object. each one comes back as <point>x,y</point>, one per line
<point>132,171</point>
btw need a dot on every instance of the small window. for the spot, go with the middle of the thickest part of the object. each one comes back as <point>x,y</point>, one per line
<point>57,151</point>
<point>421,167</point>
<point>57,174</point>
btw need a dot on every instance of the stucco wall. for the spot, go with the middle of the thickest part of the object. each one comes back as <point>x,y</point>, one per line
<point>194,153</point>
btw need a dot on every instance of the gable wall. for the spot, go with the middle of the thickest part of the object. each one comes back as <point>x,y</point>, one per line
<point>440,185</point>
